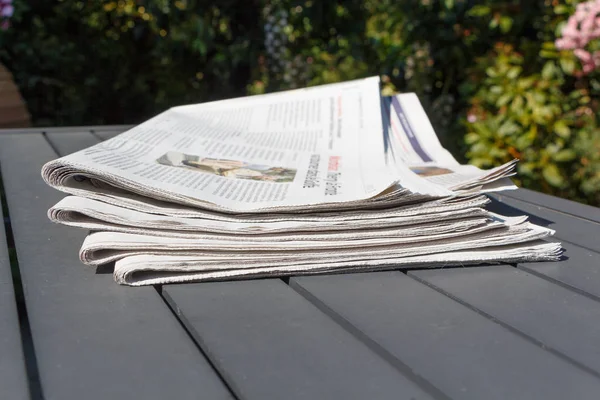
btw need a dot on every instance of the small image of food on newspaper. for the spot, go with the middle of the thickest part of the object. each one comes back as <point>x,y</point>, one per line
<point>228,168</point>
<point>431,171</point>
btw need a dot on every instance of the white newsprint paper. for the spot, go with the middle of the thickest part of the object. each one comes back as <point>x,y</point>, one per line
<point>332,178</point>
<point>410,140</point>
<point>285,150</point>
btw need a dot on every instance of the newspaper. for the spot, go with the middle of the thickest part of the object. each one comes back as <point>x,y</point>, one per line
<point>330,178</point>
<point>296,150</point>
<point>128,270</point>
<point>411,140</point>
<point>287,150</point>
<point>92,214</point>
<point>151,269</point>
<point>102,247</point>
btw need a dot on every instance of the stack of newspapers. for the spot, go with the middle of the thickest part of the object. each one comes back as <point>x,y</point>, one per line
<point>327,179</point>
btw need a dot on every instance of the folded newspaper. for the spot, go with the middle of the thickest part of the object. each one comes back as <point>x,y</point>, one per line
<point>332,178</point>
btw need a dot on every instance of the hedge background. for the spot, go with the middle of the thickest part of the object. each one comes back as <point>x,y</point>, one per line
<point>488,72</point>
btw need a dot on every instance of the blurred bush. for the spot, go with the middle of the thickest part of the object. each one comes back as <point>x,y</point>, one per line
<point>530,101</point>
<point>488,72</point>
<point>96,62</point>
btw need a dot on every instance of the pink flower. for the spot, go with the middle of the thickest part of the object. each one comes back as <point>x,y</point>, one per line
<point>7,11</point>
<point>566,43</point>
<point>472,118</point>
<point>588,63</point>
<point>583,55</point>
<point>581,28</point>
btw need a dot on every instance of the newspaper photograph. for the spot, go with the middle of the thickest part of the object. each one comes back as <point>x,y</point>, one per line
<point>235,169</point>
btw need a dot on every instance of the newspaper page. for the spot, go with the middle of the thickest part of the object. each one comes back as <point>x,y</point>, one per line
<point>103,247</point>
<point>514,243</point>
<point>304,147</point>
<point>96,215</point>
<point>412,141</point>
<point>151,269</point>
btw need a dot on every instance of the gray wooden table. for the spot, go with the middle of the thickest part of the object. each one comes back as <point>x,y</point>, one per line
<point>527,331</point>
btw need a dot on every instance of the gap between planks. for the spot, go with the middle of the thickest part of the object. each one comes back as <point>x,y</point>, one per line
<point>507,326</point>
<point>29,354</point>
<point>172,306</point>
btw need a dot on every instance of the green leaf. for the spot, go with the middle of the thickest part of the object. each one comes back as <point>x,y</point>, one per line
<point>548,54</point>
<point>479,11</point>
<point>508,128</point>
<point>449,4</point>
<point>562,129</point>
<point>496,89</point>
<point>517,104</point>
<point>548,46</point>
<point>526,168</point>
<point>480,148</point>
<point>548,70</point>
<point>481,162</point>
<point>505,24</point>
<point>471,138</point>
<point>513,72</point>
<point>552,148</point>
<point>504,99</point>
<point>491,72</point>
<point>498,154</point>
<point>565,155</point>
<point>561,9</point>
<point>559,28</point>
<point>553,176</point>
<point>526,83</point>
<point>568,65</point>
<point>524,141</point>
<point>482,130</point>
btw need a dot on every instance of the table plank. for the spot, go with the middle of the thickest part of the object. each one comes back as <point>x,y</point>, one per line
<point>93,339</point>
<point>582,232</point>
<point>270,343</point>
<point>108,129</point>
<point>552,315</point>
<point>464,354</point>
<point>13,378</point>
<point>10,131</point>
<point>579,271</point>
<point>70,142</point>
<point>111,128</point>
<point>111,131</point>
<point>554,203</point>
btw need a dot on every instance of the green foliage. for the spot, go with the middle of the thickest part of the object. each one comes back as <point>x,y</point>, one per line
<point>554,133</point>
<point>529,101</point>
<point>122,61</point>
<point>488,73</point>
